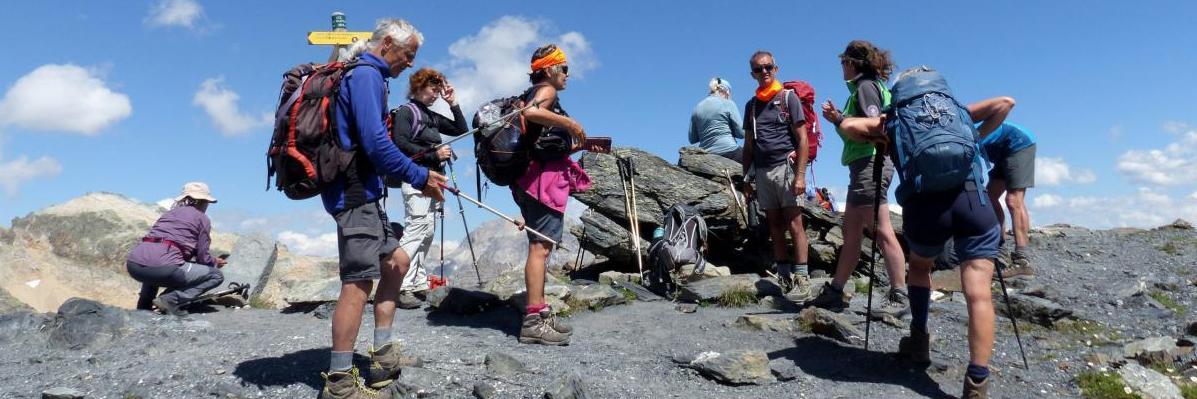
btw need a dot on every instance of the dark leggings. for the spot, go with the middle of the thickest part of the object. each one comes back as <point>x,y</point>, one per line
<point>182,282</point>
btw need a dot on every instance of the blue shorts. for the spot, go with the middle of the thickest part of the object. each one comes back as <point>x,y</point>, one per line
<point>539,216</point>
<point>930,219</point>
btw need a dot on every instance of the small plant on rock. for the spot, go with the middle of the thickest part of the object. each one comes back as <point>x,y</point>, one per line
<point>1103,385</point>
<point>1163,299</point>
<point>736,297</point>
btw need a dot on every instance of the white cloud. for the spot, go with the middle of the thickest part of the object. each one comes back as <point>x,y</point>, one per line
<point>1193,195</point>
<point>253,223</point>
<point>181,13</point>
<point>324,245</point>
<point>63,97</point>
<point>220,103</point>
<point>16,172</point>
<point>1143,208</point>
<point>1170,166</point>
<point>494,62</point>
<point>1054,171</point>
<point>1046,201</point>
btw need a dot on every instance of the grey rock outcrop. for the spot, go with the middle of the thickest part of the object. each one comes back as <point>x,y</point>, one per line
<point>1148,383</point>
<point>82,323</point>
<point>569,386</point>
<point>833,325</point>
<point>63,393</point>
<point>499,363</point>
<point>251,262</point>
<point>1036,310</point>
<point>734,367</point>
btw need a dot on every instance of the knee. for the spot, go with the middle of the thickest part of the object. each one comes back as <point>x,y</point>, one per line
<point>217,276</point>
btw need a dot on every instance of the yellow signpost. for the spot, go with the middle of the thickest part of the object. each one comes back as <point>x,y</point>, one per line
<point>336,38</point>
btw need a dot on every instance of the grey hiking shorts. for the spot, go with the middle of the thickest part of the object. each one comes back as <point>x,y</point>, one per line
<point>773,187</point>
<point>364,237</point>
<point>862,187</point>
<point>1017,169</point>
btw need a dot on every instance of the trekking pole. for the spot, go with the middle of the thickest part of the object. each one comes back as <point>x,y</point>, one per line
<point>735,196</point>
<point>878,166</point>
<point>502,119</point>
<point>466,225</point>
<point>633,216</point>
<point>460,194</point>
<point>441,210</point>
<point>1010,314</point>
<point>578,260</point>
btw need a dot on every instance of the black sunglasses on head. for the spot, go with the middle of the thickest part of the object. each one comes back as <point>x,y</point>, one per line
<point>564,69</point>
<point>763,68</point>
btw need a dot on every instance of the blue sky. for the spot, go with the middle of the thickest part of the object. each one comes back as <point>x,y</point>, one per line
<point>139,97</point>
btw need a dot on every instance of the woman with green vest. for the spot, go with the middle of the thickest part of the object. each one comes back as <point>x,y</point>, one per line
<point>866,68</point>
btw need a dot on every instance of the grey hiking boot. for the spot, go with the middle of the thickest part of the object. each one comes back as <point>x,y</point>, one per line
<point>408,300</point>
<point>385,364</point>
<point>547,315</point>
<point>347,385</point>
<point>916,347</point>
<point>829,298</point>
<point>536,330</point>
<point>800,291</point>
<point>897,304</point>
<point>975,389</point>
<point>785,276</point>
<point>167,306</point>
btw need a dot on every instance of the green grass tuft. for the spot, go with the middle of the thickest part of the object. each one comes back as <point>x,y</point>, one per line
<point>1168,302</point>
<point>628,294</point>
<point>1188,391</point>
<point>736,297</point>
<point>1095,385</point>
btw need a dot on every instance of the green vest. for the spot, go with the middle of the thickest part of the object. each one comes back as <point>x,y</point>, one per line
<point>854,150</point>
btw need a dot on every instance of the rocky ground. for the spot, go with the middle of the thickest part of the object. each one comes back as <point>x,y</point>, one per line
<point>1104,303</point>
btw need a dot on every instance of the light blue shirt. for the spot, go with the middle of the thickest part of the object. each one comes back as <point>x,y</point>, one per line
<point>1007,139</point>
<point>715,125</point>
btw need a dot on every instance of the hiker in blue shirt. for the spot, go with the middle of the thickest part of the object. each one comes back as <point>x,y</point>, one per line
<point>715,122</point>
<point>367,247</point>
<point>1011,149</point>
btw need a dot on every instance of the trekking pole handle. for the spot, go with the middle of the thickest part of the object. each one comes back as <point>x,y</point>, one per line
<point>459,194</point>
<point>471,132</point>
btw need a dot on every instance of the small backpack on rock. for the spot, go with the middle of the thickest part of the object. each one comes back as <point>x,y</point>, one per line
<point>683,243</point>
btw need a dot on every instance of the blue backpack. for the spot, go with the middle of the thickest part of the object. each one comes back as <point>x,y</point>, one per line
<point>934,139</point>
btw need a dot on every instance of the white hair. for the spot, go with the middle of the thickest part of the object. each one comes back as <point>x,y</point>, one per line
<point>719,85</point>
<point>399,30</point>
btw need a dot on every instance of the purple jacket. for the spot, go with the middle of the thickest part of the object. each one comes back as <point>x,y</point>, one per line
<point>185,226</point>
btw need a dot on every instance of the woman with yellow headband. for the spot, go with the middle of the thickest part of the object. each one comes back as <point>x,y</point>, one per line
<point>542,192</point>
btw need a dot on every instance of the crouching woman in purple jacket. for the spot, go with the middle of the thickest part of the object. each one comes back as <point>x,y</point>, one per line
<point>174,254</point>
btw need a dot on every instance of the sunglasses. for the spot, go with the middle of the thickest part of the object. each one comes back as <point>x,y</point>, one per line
<point>564,69</point>
<point>763,68</point>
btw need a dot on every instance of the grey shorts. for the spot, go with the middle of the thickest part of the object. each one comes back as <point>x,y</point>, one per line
<point>862,187</point>
<point>773,187</point>
<point>1017,169</point>
<point>539,216</point>
<point>364,237</point>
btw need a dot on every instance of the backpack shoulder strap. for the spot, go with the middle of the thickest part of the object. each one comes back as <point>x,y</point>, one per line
<point>416,126</point>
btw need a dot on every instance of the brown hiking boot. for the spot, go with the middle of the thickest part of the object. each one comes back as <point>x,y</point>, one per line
<point>975,389</point>
<point>346,385</point>
<point>536,330</point>
<point>554,322</point>
<point>386,362</point>
<point>829,298</point>
<point>1020,265</point>
<point>916,347</point>
<point>168,307</point>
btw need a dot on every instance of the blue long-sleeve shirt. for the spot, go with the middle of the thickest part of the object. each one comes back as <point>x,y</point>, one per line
<point>361,120</point>
<point>715,125</point>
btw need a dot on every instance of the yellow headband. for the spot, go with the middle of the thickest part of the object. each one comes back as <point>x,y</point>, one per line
<point>556,57</point>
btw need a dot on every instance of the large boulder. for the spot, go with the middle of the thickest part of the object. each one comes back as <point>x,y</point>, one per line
<point>82,323</point>
<point>709,166</point>
<point>251,262</point>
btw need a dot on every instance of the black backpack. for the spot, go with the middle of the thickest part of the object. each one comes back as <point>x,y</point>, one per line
<point>501,155</point>
<point>683,243</point>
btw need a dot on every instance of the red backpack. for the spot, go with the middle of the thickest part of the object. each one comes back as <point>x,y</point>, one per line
<point>806,95</point>
<point>305,154</point>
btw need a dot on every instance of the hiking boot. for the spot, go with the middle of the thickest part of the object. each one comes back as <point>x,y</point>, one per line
<point>547,315</point>
<point>168,307</point>
<point>1020,265</point>
<point>536,330</point>
<point>385,364</point>
<point>829,298</point>
<point>897,304</point>
<point>975,389</point>
<point>408,300</point>
<point>346,385</point>
<point>916,347</point>
<point>785,276</point>
<point>800,291</point>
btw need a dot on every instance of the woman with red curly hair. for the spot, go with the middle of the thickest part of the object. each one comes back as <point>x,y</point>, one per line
<point>416,130</point>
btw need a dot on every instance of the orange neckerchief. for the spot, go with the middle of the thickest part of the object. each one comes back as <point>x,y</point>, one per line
<point>766,93</point>
<point>554,58</point>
